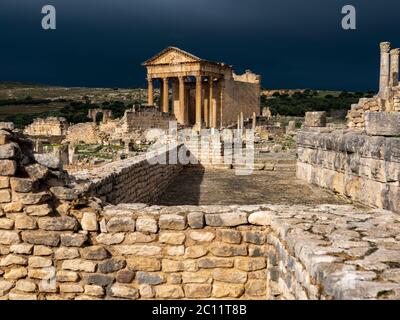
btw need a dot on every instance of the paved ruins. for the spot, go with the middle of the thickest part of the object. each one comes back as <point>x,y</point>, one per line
<point>196,186</point>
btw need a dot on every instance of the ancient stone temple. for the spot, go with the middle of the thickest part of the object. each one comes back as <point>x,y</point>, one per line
<point>204,93</point>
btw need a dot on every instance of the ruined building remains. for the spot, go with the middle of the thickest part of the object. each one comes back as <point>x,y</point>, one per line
<point>51,126</point>
<point>204,93</point>
<point>388,98</point>
<point>363,161</point>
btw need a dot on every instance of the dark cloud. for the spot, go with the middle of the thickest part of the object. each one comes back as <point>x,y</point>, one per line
<point>291,43</point>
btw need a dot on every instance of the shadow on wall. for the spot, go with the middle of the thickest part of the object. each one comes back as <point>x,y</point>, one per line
<point>185,189</point>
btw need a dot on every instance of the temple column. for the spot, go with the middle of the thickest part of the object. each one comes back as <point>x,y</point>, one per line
<point>221,99</point>
<point>384,71</point>
<point>150,92</point>
<point>198,102</point>
<point>211,104</point>
<point>206,105</point>
<point>165,108</point>
<point>394,67</point>
<point>182,108</point>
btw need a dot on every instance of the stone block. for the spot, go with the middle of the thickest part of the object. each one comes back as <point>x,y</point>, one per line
<point>39,262</point>
<point>121,291</point>
<point>8,167</point>
<point>226,219</point>
<point>73,240</point>
<point>6,223</point>
<point>9,237</point>
<point>94,253</point>
<point>196,220</point>
<point>58,223</point>
<point>23,248</point>
<point>250,264</point>
<point>99,279</point>
<point>144,264</point>
<point>38,210</point>
<point>229,236</point>
<point>111,265</point>
<point>172,238</point>
<point>125,276</point>
<point>138,250</point>
<point>12,259</point>
<point>202,236</point>
<point>110,238</point>
<point>64,253</point>
<point>193,252</point>
<point>67,276</point>
<point>121,224</point>
<point>230,275</point>
<point>227,290</point>
<point>5,196</point>
<point>210,262</point>
<point>15,273</point>
<point>79,265</point>
<point>315,119</point>
<point>25,285</point>
<point>146,224</point>
<point>197,290</point>
<point>149,278</point>
<point>8,151</point>
<point>4,182</point>
<point>382,123</point>
<point>22,221</point>
<point>221,249</point>
<point>169,292</point>
<point>172,222</point>
<point>89,221</point>
<point>22,184</point>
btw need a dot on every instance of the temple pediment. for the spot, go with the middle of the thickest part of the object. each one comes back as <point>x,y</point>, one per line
<point>172,55</point>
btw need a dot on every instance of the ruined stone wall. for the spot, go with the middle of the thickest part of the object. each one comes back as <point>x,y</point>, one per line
<point>361,167</point>
<point>240,96</point>
<point>144,120</point>
<point>85,133</point>
<point>51,126</point>
<point>131,180</point>
<point>356,115</point>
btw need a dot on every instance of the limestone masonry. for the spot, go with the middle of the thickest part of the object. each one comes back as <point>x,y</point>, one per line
<point>59,240</point>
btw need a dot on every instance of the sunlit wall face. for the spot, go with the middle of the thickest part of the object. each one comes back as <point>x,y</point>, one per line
<point>291,43</point>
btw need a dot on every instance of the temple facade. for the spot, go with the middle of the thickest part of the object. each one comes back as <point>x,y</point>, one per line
<point>201,93</point>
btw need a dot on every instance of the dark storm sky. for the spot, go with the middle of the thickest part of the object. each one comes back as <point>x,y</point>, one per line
<point>291,43</point>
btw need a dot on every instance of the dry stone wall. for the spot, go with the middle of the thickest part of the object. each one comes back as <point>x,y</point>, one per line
<point>131,180</point>
<point>361,167</point>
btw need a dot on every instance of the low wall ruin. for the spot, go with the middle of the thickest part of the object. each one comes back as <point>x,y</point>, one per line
<point>130,180</point>
<point>362,167</point>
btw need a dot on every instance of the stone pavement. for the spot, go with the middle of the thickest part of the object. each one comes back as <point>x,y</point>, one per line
<point>213,186</point>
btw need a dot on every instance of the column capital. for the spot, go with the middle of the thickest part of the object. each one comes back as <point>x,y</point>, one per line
<point>385,47</point>
<point>395,52</point>
<point>165,79</point>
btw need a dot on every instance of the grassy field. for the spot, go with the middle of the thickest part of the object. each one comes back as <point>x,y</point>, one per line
<point>29,108</point>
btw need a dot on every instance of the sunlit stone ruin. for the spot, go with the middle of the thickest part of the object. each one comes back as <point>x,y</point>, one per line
<point>227,203</point>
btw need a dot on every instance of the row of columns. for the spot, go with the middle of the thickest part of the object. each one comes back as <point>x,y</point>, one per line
<point>210,110</point>
<point>389,69</point>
